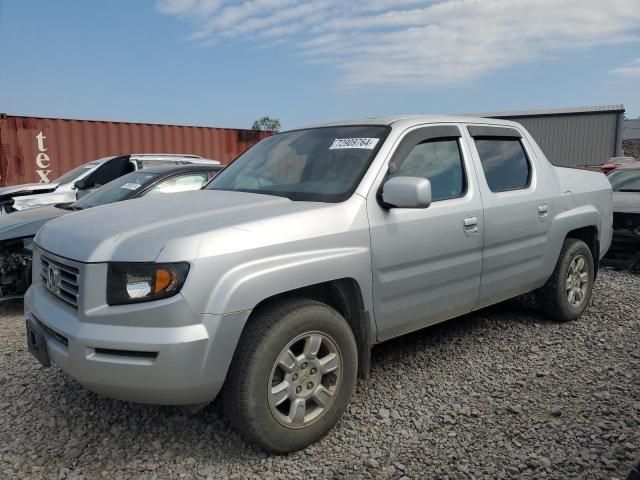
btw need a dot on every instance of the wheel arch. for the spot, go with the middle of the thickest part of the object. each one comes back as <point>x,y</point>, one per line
<point>344,295</point>
<point>582,223</point>
<point>588,235</point>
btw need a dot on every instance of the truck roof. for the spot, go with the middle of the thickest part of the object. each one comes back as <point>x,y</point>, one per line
<point>412,120</point>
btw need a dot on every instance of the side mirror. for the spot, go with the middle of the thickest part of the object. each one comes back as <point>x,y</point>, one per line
<point>82,193</point>
<point>407,192</point>
<point>80,185</point>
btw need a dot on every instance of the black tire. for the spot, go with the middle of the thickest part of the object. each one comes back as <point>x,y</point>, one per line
<point>246,393</point>
<point>552,299</point>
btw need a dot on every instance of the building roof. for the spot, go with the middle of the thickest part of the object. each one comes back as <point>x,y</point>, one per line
<point>555,111</point>
<point>472,117</point>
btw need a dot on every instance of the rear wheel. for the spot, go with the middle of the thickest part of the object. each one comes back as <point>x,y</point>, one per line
<point>566,294</point>
<point>292,375</point>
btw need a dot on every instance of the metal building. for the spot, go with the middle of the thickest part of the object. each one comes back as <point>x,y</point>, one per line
<point>574,137</point>
<point>631,129</point>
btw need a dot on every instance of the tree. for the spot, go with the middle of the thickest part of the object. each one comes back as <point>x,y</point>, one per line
<point>267,124</point>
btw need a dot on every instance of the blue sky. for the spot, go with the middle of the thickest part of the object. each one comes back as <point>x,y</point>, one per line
<point>226,63</point>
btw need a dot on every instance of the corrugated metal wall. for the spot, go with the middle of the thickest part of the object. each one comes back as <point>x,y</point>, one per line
<point>30,146</point>
<point>575,139</point>
<point>631,129</point>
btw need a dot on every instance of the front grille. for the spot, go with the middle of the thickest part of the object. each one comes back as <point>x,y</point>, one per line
<point>61,279</point>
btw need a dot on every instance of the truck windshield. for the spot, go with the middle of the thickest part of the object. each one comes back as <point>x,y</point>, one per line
<point>115,191</point>
<point>319,164</point>
<point>625,180</point>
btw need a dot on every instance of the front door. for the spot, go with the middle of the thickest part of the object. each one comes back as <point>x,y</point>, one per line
<point>427,262</point>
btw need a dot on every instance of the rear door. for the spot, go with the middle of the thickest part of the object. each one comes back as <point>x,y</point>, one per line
<point>517,212</point>
<point>426,262</point>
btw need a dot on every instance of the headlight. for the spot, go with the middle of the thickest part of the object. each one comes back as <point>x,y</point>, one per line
<point>142,282</point>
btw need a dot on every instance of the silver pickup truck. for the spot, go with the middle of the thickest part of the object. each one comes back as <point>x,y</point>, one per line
<point>271,285</point>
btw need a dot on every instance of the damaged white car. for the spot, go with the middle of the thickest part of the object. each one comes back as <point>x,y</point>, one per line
<point>78,182</point>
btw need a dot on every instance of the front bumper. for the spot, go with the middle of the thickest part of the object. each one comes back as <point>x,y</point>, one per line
<point>174,365</point>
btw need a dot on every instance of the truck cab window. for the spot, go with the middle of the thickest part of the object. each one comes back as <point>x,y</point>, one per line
<point>504,162</point>
<point>439,161</point>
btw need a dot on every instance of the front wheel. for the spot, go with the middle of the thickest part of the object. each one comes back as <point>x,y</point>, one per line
<point>292,375</point>
<point>566,294</point>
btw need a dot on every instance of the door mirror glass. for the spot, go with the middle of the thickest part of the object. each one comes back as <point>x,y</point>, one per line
<point>81,185</point>
<point>407,192</point>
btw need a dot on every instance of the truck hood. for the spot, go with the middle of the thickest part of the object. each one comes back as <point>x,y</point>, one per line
<point>626,202</point>
<point>26,189</point>
<point>28,222</point>
<point>138,230</point>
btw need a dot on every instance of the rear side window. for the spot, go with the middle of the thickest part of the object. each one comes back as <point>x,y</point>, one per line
<point>440,162</point>
<point>505,163</point>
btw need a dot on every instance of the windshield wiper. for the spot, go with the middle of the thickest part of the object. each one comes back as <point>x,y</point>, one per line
<point>636,190</point>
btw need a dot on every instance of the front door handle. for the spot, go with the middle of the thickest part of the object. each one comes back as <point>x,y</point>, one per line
<point>470,225</point>
<point>470,222</point>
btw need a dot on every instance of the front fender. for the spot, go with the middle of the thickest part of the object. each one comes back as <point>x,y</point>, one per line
<point>247,284</point>
<point>241,288</point>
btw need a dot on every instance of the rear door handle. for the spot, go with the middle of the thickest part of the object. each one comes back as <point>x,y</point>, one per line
<point>543,211</point>
<point>470,225</point>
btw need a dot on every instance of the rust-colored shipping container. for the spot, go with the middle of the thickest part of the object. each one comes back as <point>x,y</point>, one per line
<point>34,149</point>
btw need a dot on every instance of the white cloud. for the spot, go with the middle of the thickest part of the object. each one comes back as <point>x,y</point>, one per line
<point>628,71</point>
<point>416,42</point>
<point>195,8</point>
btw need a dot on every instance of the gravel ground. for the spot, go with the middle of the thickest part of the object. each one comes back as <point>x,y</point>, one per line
<point>502,393</point>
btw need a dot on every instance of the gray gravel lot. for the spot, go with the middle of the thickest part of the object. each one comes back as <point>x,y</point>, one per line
<point>502,393</point>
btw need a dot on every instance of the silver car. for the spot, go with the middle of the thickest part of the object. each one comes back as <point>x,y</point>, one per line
<point>271,285</point>
<point>625,245</point>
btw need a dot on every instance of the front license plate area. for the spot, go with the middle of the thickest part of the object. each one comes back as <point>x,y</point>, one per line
<point>37,343</point>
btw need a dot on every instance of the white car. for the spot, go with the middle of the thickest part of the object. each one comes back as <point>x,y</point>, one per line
<point>78,182</point>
